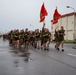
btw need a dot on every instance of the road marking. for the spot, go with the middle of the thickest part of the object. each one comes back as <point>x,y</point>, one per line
<point>72,54</point>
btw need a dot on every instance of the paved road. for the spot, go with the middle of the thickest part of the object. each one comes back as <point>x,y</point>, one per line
<point>37,62</point>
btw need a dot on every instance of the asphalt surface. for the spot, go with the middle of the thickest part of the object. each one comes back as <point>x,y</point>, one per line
<point>36,61</point>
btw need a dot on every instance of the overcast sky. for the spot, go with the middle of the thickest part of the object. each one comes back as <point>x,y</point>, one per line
<point>22,14</point>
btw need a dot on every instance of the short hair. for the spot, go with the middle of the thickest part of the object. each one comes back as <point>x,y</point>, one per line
<point>61,26</point>
<point>26,28</point>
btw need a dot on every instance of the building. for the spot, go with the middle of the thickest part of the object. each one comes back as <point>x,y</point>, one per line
<point>69,23</point>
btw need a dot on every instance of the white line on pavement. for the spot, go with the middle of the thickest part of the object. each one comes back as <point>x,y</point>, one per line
<point>72,54</point>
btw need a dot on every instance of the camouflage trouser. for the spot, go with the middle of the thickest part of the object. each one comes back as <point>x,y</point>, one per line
<point>37,39</point>
<point>61,39</point>
<point>45,40</point>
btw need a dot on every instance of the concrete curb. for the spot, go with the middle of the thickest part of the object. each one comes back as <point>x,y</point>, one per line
<point>74,47</point>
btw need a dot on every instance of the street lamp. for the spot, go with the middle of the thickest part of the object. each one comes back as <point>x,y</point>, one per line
<point>32,26</point>
<point>71,8</point>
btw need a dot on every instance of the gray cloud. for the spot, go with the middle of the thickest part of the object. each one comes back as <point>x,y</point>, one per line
<point>19,14</point>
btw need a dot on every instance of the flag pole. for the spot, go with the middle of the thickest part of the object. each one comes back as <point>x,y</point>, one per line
<point>43,26</point>
<point>43,23</point>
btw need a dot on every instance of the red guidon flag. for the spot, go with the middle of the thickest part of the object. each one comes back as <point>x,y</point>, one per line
<point>56,16</point>
<point>43,13</point>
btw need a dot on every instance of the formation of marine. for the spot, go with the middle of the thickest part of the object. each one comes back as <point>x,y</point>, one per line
<point>38,39</point>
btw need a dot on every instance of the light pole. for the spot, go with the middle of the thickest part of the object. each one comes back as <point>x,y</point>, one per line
<point>74,34</point>
<point>71,8</point>
<point>32,26</point>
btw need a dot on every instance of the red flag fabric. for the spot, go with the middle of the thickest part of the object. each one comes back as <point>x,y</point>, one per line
<point>42,19</point>
<point>54,21</point>
<point>56,16</point>
<point>43,13</point>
